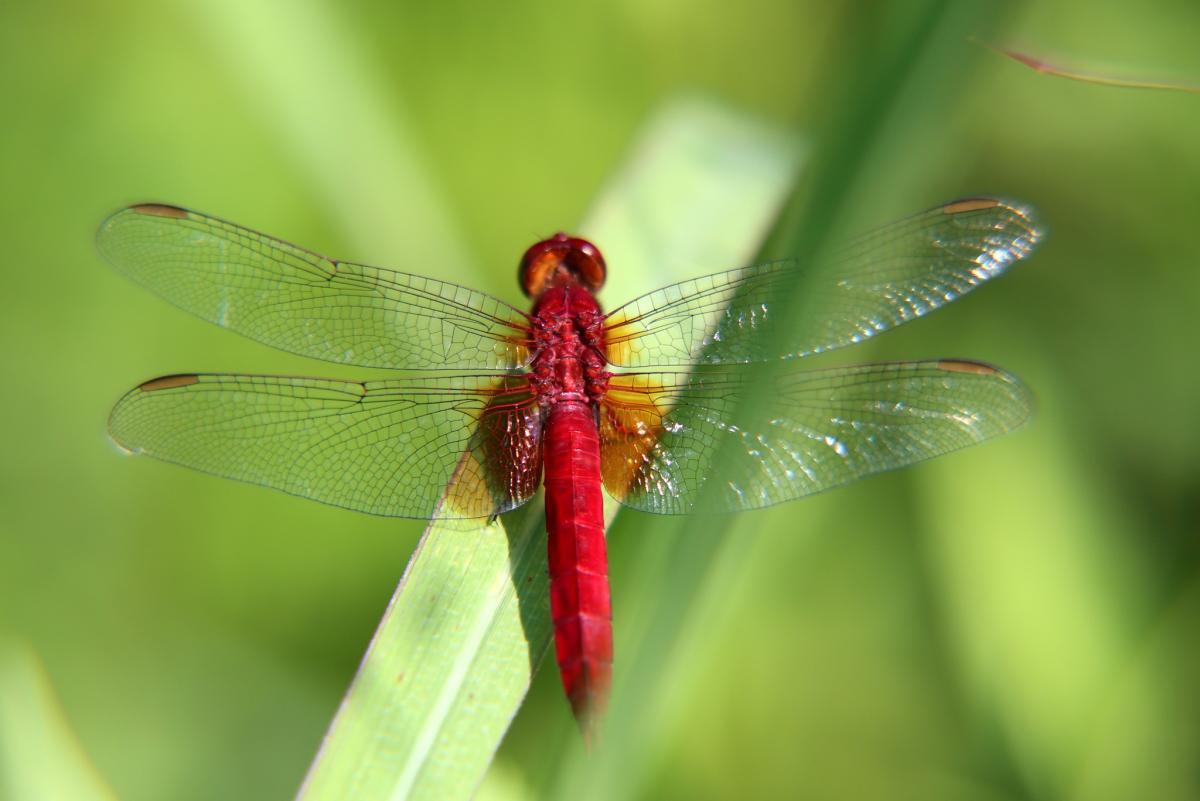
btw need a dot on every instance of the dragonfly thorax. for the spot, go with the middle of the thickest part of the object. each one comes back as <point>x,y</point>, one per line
<point>568,362</point>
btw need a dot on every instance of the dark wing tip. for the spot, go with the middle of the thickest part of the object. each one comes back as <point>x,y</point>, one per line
<point>112,222</point>
<point>1023,216</point>
<point>169,382</point>
<point>1016,388</point>
<point>970,204</point>
<point>968,366</point>
<point>159,210</point>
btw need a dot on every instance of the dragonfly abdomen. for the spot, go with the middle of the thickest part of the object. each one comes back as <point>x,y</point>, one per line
<point>580,606</point>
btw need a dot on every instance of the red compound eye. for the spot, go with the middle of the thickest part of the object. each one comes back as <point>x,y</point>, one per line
<point>559,260</point>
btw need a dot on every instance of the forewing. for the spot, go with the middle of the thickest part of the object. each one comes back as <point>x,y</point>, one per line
<point>298,301</point>
<point>876,282</point>
<point>396,447</point>
<point>667,437</point>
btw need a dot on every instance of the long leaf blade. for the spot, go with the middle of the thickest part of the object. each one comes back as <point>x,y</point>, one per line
<point>469,623</point>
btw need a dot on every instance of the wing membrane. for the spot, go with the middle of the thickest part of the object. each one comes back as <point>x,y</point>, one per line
<point>301,302</point>
<point>663,433</point>
<point>876,282</point>
<point>383,447</point>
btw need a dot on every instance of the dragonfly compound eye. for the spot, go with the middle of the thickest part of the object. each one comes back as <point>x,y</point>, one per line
<point>560,260</point>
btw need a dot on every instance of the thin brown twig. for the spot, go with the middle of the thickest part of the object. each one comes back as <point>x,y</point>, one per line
<point>1046,68</point>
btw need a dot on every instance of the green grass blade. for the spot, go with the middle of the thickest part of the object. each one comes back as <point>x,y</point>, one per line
<point>447,667</point>
<point>469,623</point>
<point>40,757</point>
<point>814,216</point>
<point>1037,601</point>
<point>339,122</point>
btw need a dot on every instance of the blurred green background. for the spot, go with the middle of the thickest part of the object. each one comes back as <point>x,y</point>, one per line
<point>1015,621</point>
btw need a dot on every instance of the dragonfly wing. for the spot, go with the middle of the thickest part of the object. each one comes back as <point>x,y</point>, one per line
<point>663,433</point>
<point>876,282</point>
<point>302,302</point>
<point>383,447</point>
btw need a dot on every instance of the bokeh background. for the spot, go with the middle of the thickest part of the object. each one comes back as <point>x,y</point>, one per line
<point>1014,622</point>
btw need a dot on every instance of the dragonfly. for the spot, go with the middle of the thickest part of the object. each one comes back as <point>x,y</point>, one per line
<point>488,401</point>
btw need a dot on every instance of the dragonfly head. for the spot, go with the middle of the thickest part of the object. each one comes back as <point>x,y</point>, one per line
<point>560,260</point>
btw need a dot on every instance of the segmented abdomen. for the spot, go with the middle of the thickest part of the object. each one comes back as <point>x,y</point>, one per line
<point>579,598</point>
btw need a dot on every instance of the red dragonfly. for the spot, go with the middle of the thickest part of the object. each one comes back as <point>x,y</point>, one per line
<point>641,399</point>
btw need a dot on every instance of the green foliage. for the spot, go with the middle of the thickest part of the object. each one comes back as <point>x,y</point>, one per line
<point>40,760</point>
<point>470,623</point>
<point>1011,622</point>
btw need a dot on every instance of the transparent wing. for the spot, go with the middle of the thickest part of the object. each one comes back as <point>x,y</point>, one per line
<point>663,433</point>
<point>383,447</point>
<point>876,282</point>
<point>301,302</point>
